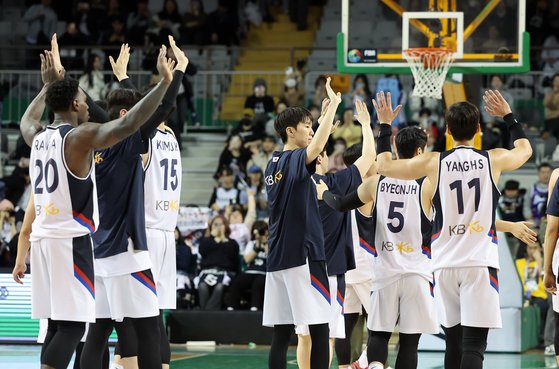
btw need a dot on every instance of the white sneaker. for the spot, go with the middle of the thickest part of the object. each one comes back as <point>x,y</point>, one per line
<point>549,350</point>
<point>376,365</point>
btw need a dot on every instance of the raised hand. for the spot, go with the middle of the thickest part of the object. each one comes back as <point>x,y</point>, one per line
<point>182,60</point>
<point>383,107</point>
<point>49,74</point>
<point>321,187</point>
<point>56,56</point>
<point>334,97</point>
<point>496,106</point>
<point>324,108</point>
<point>120,67</point>
<point>362,115</point>
<point>334,127</point>
<point>163,65</point>
<point>523,232</point>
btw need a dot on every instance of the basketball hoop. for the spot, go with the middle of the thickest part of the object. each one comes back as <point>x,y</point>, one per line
<point>429,67</point>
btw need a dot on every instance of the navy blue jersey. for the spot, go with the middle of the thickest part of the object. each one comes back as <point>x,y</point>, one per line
<point>294,224</point>
<point>120,188</point>
<point>553,206</point>
<point>338,241</point>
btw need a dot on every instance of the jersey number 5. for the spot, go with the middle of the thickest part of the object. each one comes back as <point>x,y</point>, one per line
<point>50,174</point>
<point>393,214</point>
<point>174,181</point>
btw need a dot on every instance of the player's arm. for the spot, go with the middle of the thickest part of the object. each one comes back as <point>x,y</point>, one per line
<point>420,166</point>
<point>551,233</point>
<point>323,132</point>
<point>94,135</point>
<point>501,159</point>
<point>368,154</point>
<point>23,243</point>
<point>355,199</point>
<point>520,230</point>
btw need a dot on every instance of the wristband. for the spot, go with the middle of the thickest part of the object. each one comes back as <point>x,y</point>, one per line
<point>514,127</point>
<point>383,142</point>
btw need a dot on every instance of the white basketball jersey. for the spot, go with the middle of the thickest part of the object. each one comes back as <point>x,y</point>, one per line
<point>162,183</point>
<point>65,205</point>
<point>363,259</point>
<point>465,202</point>
<point>402,232</point>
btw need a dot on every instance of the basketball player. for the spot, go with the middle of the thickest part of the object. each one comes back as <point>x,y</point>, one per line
<point>297,290</point>
<point>162,187</point>
<point>64,194</point>
<point>338,242</point>
<point>123,265</point>
<point>464,241</point>
<point>551,255</point>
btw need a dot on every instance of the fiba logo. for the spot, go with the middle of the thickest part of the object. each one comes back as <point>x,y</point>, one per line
<point>4,293</point>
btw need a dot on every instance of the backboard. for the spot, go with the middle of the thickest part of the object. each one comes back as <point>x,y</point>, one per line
<point>486,36</point>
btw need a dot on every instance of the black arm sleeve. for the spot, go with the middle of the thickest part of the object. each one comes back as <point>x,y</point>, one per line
<point>164,109</point>
<point>127,83</point>
<point>515,128</point>
<point>383,142</point>
<point>96,113</point>
<point>349,202</point>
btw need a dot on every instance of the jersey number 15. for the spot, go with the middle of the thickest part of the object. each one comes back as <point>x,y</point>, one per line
<point>171,175</point>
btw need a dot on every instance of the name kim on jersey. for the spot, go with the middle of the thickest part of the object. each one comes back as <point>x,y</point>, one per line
<point>166,145</point>
<point>464,166</point>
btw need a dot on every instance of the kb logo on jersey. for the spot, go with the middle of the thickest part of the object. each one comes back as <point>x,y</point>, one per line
<point>49,209</point>
<point>461,229</point>
<point>402,247</point>
<point>167,205</point>
<point>276,178</point>
<point>98,158</point>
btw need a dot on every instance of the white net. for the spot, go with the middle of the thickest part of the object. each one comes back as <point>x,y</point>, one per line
<point>429,67</point>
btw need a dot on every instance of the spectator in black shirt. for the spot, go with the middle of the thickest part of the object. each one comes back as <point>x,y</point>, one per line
<point>259,101</point>
<point>72,58</point>
<point>138,23</point>
<point>195,29</point>
<point>511,208</point>
<point>220,263</point>
<point>234,156</point>
<point>168,20</point>
<point>223,25</point>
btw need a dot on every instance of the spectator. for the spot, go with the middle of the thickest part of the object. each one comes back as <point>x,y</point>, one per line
<point>319,90</point>
<point>551,103</point>
<point>291,94</point>
<point>511,206</point>
<point>240,221</point>
<point>168,20</point>
<point>427,123</point>
<point>93,81</point>
<point>223,24</point>
<point>530,269</point>
<point>226,193</point>
<point>194,27</point>
<point>348,130</point>
<point>298,12</point>
<point>219,263</point>
<point>234,156</point>
<point>7,232</point>
<point>539,192</point>
<point>259,101</point>
<point>186,266</point>
<point>14,187</point>
<point>336,158</point>
<point>138,22</point>
<point>248,131</point>
<point>361,92</point>
<point>86,22</point>
<point>256,189</point>
<point>264,154</point>
<point>550,53</point>
<point>41,23</point>
<point>254,278</point>
<point>116,35</point>
<point>391,83</point>
<point>270,130</point>
<point>72,58</point>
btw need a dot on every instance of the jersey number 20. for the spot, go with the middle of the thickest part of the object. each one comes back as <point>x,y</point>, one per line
<point>48,172</point>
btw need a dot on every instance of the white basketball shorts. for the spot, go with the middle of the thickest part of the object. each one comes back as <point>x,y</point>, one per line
<point>337,322</point>
<point>468,296</point>
<point>357,297</point>
<point>408,302</point>
<point>62,279</point>
<point>162,252</point>
<point>299,296</point>
<point>126,296</point>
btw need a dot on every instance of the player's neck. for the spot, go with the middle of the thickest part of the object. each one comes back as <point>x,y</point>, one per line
<point>464,143</point>
<point>320,171</point>
<point>65,118</point>
<point>290,146</point>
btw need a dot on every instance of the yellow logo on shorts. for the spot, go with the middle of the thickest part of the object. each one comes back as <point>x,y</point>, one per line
<point>404,247</point>
<point>98,158</point>
<point>475,227</point>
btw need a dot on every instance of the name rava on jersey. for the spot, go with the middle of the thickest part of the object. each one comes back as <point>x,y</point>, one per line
<point>402,247</point>
<point>167,205</point>
<point>462,229</point>
<point>48,209</point>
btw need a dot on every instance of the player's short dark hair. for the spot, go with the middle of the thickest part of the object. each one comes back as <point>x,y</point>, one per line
<point>61,94</point>
<point>123,98</point>
<point>352,153</point>
<point>544,165</point>
<point>408,140</point>
<point>462,119</point>
<point>290,117</point>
